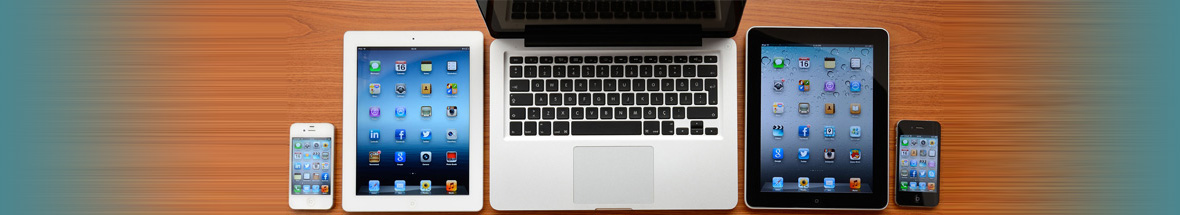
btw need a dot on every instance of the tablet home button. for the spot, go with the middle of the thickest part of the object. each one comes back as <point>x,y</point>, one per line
<point>310,203</point>
<point>412,204</point>
<point>917,199</point>
<point>817,201</point>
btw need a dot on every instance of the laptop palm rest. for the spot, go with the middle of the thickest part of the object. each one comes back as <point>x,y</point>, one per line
<point>614,175</point>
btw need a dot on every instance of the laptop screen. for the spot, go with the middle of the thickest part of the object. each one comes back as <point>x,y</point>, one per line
<point>510,18</point>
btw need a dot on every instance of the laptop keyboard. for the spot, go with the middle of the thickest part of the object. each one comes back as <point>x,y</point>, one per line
<point>612,95</point>
<point>590,9</point>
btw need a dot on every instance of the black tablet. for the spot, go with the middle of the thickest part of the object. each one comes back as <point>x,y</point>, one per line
<point>817,112</point>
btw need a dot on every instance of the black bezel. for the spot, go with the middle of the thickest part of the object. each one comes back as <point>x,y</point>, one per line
<point>877,37</point>
<point>732,18</point>
<point>915,127</point>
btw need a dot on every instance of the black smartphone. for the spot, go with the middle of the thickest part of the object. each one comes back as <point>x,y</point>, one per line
<point>919,146</point>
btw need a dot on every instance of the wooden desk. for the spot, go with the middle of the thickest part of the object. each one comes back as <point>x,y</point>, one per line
<point>199,95</point>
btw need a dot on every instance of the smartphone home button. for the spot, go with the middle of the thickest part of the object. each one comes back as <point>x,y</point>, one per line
<point>817,201</point>
<point>917,199</point>
<point>310,202</point>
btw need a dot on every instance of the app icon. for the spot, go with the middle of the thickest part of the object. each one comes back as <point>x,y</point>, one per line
<point>399,88</point>
<point>932,142</point>
<point>779,85</point>
<point>829,86</point>
<point>914,152</point>
<point>323,188</point>
<point>829,154</point>
<point>452,185</point>
<point>374,157</point>
<point>854,183</point>
<point>905,142</point>
<point>804,154</point>
<point>452,88</point>
<point>804,85</point>
<point>298,189</point>
<point>296,176</point>
<point>921,186</point>
<point>776,182</point>
<point>829,108</point>
<point>374,112</point>
<point>375,66</point>
<point>854,108</point>
<point>804,108</point>
<point>854,63</point>
<point>298,166</point>
<point>399,111</point>
<point>854,131</point>
<point>399,134</point>
<point>452,134</point>
<point>829,183</point>
<point>374,185</point>
<point>930,174</point>
<point>854,86</point>
<point>930,164</point>
<point>804,130</point>
<point>307,189</point>
<point>426,88</point>
<point>452,156</point>
<point>326,145</point>
<point>854,154</point>
<point>298,145</point>
<point>776,130</point>
<point>921,174</point>
<point>829,62</point>
<point>374,135</point>
<point>324,176</point>
<point>452,65</point>
<point>777,107</point>
<point>930,186</point>
<point>426,134</point>
<point>923,142</point>
<point>921,163</point>
<point>904,162</point>
<point>425,157</point>
<point>913,173</point>
<point>426,111</point>
<point>399,156</point>
<point>298,155</point>
<point>905,185</point>
<point>804,62</point>
<point>913,185</point>
<point>932,154</point>
<point>452,111</point>
<point>922,153</point>
<point>426,66</point>
<point>829,131</point>
<point>776,153</point>
<point>425,185</point>
<point>804,182</point>
<point>399,66</point>
<point>779,63</point>
<point>399,185</point>
<point>374,88</point>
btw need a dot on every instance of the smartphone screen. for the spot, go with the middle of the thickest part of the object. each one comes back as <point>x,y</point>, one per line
<point>311,165</point>
<point>918,163</point>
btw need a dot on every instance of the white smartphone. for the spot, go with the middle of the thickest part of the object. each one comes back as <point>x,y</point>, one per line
<point>311,169</point>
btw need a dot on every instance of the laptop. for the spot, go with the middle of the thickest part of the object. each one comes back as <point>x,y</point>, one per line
<point>613,105</point>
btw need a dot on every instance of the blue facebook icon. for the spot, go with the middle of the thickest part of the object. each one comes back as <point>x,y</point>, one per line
<point>399,134</point>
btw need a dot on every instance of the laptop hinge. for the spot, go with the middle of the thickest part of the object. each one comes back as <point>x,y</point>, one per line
<point>612,35</point>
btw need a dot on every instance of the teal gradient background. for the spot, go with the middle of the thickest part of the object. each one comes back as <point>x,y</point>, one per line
<point>69,119</point>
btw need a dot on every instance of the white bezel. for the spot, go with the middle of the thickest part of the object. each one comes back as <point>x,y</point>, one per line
<point>471,39</point>
<point>312,202</point>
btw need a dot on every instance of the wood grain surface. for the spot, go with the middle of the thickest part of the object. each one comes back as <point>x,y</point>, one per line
<point>197,96</point>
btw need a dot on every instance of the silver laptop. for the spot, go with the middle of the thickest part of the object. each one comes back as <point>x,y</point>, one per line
<point>613,105</point>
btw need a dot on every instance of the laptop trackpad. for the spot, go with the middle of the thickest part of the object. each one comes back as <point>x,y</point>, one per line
<point>614,175</point>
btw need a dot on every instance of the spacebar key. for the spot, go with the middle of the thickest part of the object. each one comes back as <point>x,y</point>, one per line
<point>607,128</point>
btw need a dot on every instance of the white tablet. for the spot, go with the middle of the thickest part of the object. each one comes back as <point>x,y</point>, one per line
<point>413,121</point>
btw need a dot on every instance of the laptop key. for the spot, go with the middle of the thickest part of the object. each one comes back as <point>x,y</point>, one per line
<point>541,99</point>
<point>577,113</point>
<point>635,112</point>
<point>657,98</point>
<point>516,60</point>
<point>555,99</point>
<point>530,60</point>
<point>567,85</point>
<point>580,85</point>
<point>544,128</point>
<point>681,84</point>
<point>695,59</point>
<point>538,85</point>
<point>591,113</point>
<point>707,70</point>
<point>621,59</point>
<point>595,85</point>
<point>545,71</point>
<point>578,59</point>
<point>530,71</point>
<point>516,71</point>
<point>710,131</point>
<point>563,128</point>
<point>702,112</point>
<point>606,113</point>
<point>661,71</point>
<point>573,71</point>
<point>591,59</point>
<point>530,128</point>
<point>699,98</point>
<point>606,128</point>
<point>653,84</point>
<point>520,99</point>
<point>584,99</point>
<point>649,59</point>
<point>696,124</point>
<point>609,85</point>
<point>571,99</point>
<point>670,98</point>
<point>665,59</point>
<point>516,113</point>
<point>636,59</point>
<point>651,128</point>
<point>563,113</point>
<point>562,59</point>
<point>624,85</point>
<point>641,98</point>
<point>599,98</point>
<point>548,113</point>
<point>605,59</point>
<point>546,60</point>
<point>690,71</point>
<point>666,85</point>
<point>612,99</point>
<point>551,85</point>
<point>628,98</point>
<point>678,112</point>
<point>616,71</point>
<point>664,112</point>
<point>601,71</point>
<point>711,87</point>
<point>685,98</point>
<point>681,59</point>
<point>710,59</point>
<point>632,71</point>
<point>681,131</point>
<point>558,71</point>
<point>514,128</point>
<point>637,84</point>
<point>649,112</point>
<point>645,70</point>
<point>696,85</point>
<point>668,127</point>
<point>674,71</point>
<point>698,131</point>
<point>518,86</point>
